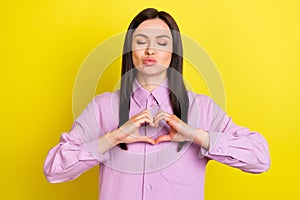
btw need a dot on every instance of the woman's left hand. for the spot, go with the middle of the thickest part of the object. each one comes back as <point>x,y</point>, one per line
<point>179,131</point>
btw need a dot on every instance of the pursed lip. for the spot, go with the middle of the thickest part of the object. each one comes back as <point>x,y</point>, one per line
<point>149,61</point>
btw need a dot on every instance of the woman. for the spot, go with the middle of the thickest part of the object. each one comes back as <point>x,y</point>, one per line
<point>153,138</point>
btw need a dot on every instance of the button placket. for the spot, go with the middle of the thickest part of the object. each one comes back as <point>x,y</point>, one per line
<point>153,108</point>
<point>150,157</point>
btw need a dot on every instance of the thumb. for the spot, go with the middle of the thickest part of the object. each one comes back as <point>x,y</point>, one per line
<point>145,139</point>
<point>163,138</point>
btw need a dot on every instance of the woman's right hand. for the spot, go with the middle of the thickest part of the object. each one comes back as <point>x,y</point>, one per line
<point>129,132</point>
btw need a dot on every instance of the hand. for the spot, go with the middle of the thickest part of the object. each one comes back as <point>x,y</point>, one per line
<point>129,132</point>
<point>179,131</point>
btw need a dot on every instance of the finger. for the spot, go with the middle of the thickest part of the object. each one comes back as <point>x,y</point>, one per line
<point>146,117</point>
<point>166,116</point>
<point>141,121</point>
<point>163,138</point>
<point>160,116</point>
<point>144,114</point>
<point>145,139</point>
<point>161,113</point>
<point>135,122</point>
<point>172,120</point>
<point>132,125</point>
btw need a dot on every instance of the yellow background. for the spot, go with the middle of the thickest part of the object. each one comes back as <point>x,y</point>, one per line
<point>254,44</point>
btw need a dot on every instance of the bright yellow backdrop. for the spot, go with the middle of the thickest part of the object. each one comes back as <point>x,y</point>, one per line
<point>254,43</point>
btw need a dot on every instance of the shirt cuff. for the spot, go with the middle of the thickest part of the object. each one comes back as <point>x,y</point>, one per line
<point>92,152</point>
<point>217,145</point>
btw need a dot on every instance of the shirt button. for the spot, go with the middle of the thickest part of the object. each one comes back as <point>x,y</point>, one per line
<point>149,187</point>
<point>152,164</point>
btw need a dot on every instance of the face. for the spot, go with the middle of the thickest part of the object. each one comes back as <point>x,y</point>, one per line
<point>152,48</point>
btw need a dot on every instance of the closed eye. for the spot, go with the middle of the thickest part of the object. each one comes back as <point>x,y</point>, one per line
<point>162,43</point>
<point>141,42</point>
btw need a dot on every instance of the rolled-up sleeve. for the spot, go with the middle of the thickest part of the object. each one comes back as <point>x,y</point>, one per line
<point>235,145</point>
<point>77,150</point>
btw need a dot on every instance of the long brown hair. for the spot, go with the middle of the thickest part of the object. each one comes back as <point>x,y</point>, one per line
<point>178,94</point>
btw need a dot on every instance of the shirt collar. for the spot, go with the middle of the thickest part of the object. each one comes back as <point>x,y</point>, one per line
<point>160,93</point>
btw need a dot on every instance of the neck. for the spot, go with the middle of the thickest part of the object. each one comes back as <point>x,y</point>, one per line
<point>150,83</point>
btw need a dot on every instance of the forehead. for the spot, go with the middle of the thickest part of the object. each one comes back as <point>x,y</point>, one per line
<point>153,27</point>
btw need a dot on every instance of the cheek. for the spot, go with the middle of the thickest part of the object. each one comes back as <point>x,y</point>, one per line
<point>166,58</point>
<point>136,58</point>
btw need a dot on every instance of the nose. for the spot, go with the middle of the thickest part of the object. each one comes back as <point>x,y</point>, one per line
<point>150,51</point>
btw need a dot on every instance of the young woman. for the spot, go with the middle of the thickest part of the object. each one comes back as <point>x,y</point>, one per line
<point>153,138</point>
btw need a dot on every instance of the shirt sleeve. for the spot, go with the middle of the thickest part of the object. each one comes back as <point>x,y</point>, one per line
<point>77,150</point>
<point>235,145</point>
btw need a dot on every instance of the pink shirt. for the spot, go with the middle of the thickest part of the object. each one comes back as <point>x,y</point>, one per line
<point>151,172</point>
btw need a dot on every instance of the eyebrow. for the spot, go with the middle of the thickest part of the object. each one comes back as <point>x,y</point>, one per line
<point>159,36</point>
